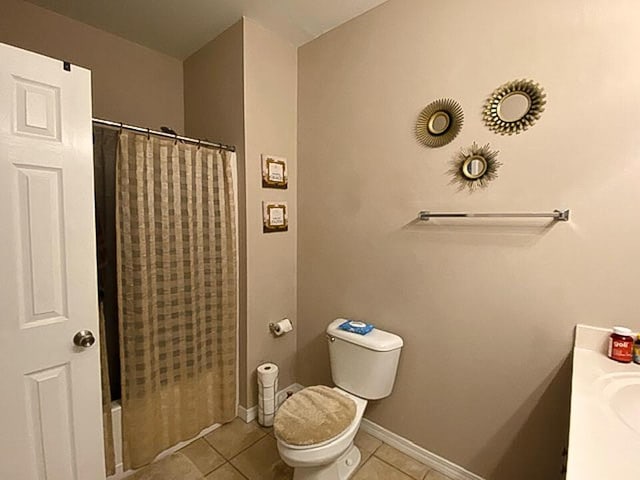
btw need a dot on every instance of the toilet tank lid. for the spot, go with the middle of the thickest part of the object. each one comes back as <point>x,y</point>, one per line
<point>376,339</point>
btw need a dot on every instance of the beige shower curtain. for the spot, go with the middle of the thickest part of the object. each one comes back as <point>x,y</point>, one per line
<point>177,292</point>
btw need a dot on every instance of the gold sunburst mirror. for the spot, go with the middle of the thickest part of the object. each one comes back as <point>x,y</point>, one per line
<point>439,122</point>
<point>474,167</point>
<point>514,107</point>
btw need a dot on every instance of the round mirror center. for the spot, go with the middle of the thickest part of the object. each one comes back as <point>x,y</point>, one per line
<point>474,167</point>
<point>439,123</point>
<point>514,106</point>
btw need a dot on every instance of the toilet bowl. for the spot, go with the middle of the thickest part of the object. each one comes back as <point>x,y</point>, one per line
<point>363,368</point>
<point>332,459</point>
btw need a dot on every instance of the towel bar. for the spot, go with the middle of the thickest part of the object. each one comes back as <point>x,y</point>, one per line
<point>558,215</point>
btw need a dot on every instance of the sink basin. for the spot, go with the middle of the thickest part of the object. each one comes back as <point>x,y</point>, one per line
<point>605,408</point>
<point>621,395</point>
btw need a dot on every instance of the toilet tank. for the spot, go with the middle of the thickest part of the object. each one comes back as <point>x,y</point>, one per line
<point>364,365</point>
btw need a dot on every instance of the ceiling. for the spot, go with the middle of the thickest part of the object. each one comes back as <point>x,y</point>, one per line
<point>180,27</point>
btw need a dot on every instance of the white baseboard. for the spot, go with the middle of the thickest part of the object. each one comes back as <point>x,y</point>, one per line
<point>442,465</point>
<point>251,413</point>
<point>430,459</point>
<point>248,414</point>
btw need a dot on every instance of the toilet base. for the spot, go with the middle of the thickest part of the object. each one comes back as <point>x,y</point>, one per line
<point>340,469</point>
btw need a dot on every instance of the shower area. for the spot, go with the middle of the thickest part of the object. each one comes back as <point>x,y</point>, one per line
<point>167,277</point>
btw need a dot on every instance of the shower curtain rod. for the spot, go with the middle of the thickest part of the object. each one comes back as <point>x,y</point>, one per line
<point>148,131</point>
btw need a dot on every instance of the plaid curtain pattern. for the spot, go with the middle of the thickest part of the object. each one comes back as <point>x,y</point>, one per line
<point>177,292</point>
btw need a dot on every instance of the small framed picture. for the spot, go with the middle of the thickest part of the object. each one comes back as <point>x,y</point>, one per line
<point>274,172</point>
<point>274,217</point>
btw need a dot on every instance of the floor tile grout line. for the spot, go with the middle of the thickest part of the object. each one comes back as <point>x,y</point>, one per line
<point>227,460</point>
<point>221,455</point>
<point>241,451</point>
<point>429,469</point>
<point>216,450</point>
<point>247,447</point>
<point>204,474</point>
<point>396,468</point>
<point>239,472</point>
<point>233,467</point>
<point>267,434</point>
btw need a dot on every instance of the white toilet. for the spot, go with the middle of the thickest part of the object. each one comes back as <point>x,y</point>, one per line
<point>364,368</point>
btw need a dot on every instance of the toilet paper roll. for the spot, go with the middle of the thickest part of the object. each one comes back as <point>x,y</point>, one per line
<point>267,391</point>
<point>282,327</point>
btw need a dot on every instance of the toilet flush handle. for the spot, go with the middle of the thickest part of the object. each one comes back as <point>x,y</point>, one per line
<point>331,338</point>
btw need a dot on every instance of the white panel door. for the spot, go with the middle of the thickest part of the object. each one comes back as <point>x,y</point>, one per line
<point>50,407</point>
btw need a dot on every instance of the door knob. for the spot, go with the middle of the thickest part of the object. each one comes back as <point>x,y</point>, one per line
<point>84,338</point>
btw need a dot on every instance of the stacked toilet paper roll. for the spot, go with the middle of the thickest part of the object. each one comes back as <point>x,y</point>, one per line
<point>267,390</point>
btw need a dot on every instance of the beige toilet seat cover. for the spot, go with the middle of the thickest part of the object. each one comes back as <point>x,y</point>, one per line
<point>313,415</point>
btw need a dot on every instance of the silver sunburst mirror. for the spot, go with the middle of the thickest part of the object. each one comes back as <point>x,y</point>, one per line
<point>514,107</point>
<point>474,167</point>
<point>439,122</point>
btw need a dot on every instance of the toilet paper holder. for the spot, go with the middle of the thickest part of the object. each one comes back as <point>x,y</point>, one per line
<point>280,328</point>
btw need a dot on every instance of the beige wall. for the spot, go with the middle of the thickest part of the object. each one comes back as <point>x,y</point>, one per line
<point>487,309</point>
<point>241,88</point>
<point>270,108</point>
<point>131,83</point>
<point>213,106</point>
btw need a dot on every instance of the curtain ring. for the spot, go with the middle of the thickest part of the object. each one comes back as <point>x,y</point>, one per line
<point>199,144</point>
<point>121,127</point>
<point>175,142</point>
<point>148,134</point>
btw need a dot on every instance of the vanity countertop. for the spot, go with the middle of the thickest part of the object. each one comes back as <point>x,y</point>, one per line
<point>605,410</point>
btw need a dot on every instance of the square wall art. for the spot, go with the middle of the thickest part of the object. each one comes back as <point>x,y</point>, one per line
<point>274,172</point>
<point>274,217</point>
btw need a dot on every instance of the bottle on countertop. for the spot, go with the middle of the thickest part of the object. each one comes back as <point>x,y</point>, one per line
<point>621,345</point>
<point>636,350</point>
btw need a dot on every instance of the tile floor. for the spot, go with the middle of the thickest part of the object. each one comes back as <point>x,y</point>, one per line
<point>246,451</point>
